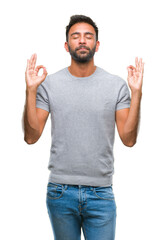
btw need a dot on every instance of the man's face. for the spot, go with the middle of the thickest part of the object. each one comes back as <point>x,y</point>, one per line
<point>82,43</point>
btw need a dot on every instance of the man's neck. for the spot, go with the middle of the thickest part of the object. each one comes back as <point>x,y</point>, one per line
<point>82,69</point>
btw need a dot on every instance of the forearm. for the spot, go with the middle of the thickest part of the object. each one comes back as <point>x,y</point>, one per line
<point>132,122</point>
<point>31,124</point>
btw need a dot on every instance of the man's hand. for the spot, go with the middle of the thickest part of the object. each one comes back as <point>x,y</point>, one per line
<point>135,76</point>
<point>31,75</point>
<point>127,121</point>
<point>34,118</point>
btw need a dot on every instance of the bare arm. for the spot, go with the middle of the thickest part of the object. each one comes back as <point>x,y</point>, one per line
<point>34,119</point>
<point>127,120</point>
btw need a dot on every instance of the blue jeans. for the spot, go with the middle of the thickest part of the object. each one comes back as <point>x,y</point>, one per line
<point>72,207</point>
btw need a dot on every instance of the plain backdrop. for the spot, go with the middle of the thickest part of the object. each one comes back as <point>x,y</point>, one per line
<point>126,29</point>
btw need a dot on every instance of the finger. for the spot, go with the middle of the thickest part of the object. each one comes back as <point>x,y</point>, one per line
<point>140,64</point>
<point>136,63</point>
<point>43,76</point>
<point>130,73</point>
<point>38,68</point>
<point>132,67</point>
<point>27,68</point>
<point>134,72</point>
<point>142,69</point>
<point>30,62</point>
<point>34,60</point>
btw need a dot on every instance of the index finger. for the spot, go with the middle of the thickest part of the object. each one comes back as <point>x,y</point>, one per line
<point>39,67</point>
<point>132,67</point>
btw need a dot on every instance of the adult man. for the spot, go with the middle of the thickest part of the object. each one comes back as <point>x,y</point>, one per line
<point>85,101</point>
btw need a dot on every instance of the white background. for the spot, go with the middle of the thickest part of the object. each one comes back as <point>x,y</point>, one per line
<point>126,29</point>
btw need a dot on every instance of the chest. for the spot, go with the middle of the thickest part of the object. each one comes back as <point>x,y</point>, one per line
<point>81,98</point>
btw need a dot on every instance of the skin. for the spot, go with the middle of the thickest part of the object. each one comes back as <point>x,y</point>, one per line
<point>34,119</point>
<point>127,119</point>
<point>82,39</point>
<point>82,35</point>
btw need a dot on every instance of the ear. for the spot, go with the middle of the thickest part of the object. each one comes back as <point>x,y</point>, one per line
<point>66,46</point>
<point>97,46</point>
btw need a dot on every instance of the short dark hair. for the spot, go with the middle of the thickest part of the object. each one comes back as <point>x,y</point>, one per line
<point>78,19</point>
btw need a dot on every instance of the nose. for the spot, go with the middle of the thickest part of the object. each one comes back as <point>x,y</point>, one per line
<point>82,39</point>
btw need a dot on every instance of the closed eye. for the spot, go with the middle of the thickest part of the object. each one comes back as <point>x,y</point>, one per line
<point>89,37</point>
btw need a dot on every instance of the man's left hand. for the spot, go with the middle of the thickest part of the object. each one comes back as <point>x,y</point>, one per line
<point>135,76</point>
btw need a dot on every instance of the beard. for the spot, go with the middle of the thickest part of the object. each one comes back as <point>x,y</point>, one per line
<point>83,56</point>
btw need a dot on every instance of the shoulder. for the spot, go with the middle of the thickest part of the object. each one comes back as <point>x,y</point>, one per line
<point>57,74</point>
<point>54,77</point>
<point>113,78</point>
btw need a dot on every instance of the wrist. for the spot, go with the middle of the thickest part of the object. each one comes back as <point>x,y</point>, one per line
<point>136,94</point>
<point>31,90</point>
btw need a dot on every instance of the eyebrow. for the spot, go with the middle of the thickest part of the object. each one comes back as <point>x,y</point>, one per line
<point>85,33</point>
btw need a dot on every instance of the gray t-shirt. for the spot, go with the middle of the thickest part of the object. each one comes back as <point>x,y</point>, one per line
<point>82,124</point>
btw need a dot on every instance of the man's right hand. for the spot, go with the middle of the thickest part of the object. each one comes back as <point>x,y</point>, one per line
<point>31,74</point>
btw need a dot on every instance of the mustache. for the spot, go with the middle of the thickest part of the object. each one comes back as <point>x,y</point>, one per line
<point>82,46</point>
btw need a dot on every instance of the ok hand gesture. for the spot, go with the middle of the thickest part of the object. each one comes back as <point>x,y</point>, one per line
<point>135,76</point>
<point>31,75</point>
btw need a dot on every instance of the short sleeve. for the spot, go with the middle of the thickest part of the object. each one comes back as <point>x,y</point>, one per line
<point>42,100</point>
<point>124,99</point>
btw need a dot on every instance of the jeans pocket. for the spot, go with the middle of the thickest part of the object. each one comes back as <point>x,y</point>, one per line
<point>105,193</point>
<point>55,190</point>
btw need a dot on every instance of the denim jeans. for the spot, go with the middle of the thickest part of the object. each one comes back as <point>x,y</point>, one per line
<point>72,207</point>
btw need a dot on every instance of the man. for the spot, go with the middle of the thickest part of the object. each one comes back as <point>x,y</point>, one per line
<point>85,102</point>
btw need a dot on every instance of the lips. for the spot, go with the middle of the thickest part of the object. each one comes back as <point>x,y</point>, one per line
<point>82,48</point>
